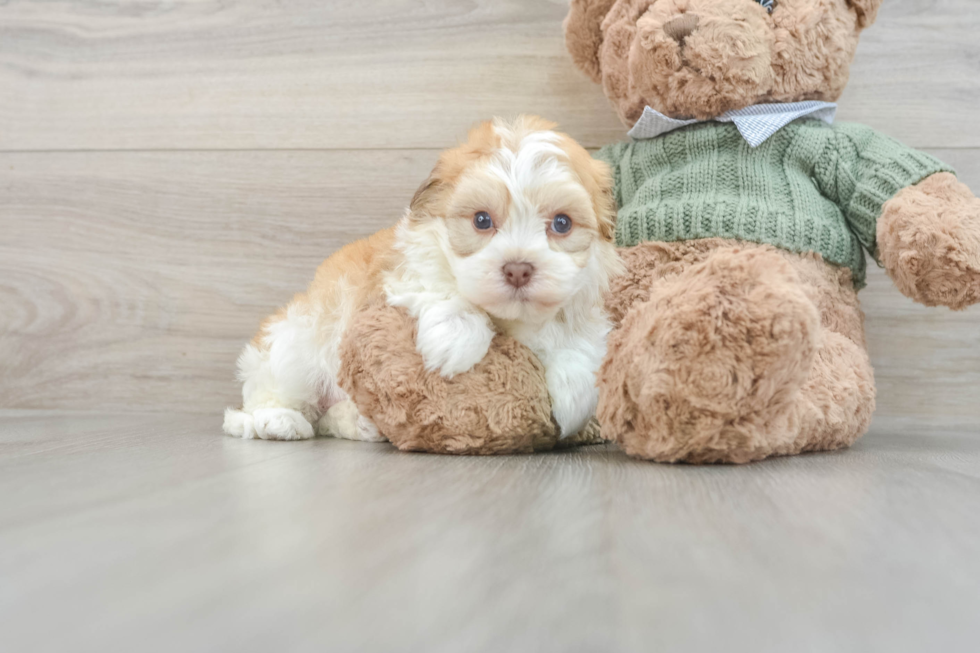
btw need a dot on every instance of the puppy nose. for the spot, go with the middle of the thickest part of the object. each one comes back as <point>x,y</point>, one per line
<point>681,27</point>
<point>518,273</point>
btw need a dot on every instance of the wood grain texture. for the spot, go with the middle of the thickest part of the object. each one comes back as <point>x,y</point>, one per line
<point>150,533</point>
<point>130,281</point>
<point>236,74</point>
<point>134,279</point>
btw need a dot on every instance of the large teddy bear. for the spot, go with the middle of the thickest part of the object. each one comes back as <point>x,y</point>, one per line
<point>744,218</point>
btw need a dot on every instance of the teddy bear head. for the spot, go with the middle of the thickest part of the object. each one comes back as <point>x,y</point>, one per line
<point>701,58</point>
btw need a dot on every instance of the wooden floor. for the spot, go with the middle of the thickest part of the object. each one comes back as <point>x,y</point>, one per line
<point>152,533</point>
<point>170,172</point>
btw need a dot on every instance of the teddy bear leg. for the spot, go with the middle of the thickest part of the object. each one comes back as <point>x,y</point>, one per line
<point>837,400</point>
<point>710,368</point>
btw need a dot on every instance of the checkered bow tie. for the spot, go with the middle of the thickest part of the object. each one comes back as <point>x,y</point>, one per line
<point>756,123</point>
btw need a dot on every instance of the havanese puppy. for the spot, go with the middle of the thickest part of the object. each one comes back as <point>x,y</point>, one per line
<point>512,233</point>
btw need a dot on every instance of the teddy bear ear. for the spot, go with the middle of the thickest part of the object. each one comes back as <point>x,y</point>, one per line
<point>867,11</point>
<point>583,34</point>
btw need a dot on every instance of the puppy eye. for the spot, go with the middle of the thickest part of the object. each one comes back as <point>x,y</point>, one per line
<point>482,221</point>
<point>561,224</point>
<point>768,5</point>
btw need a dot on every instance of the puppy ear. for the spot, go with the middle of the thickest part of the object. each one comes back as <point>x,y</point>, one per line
<point>583,34</point>
<point>867,11</point>
<point>480,142</point>
<point>425,195</point>
<point>603,200</point>
<point>597,179</point>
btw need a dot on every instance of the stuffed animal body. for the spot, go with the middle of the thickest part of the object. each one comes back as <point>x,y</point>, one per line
<point>744,219</point>
<point>745,216</point>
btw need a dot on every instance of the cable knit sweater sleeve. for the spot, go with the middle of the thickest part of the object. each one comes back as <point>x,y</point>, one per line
<point>861,169</point>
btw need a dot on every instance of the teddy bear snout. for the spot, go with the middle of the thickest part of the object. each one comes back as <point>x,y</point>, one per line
<point>698,60</point>
<point>681,27</point>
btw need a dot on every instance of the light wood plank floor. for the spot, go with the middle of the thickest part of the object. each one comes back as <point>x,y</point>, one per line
<point>149,533</point>
<point>172,171</point>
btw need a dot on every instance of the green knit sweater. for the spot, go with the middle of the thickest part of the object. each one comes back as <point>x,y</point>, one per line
<point>810,187</point>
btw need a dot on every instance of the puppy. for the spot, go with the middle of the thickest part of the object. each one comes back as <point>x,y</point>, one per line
<point>512,233</point>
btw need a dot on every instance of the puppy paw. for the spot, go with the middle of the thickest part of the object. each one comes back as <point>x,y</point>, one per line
<point>573,414</point>
<point>574,394</point>
<point>452,342</point>
<point>344,421</point>
<point>268,424</point>
<point>239,424</point>
<point>367,431</point>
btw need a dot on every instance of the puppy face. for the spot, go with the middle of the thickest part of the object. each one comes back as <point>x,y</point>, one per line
<point>525,218</point>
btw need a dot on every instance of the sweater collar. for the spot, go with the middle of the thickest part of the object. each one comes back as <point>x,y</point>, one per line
<point>756,123</point>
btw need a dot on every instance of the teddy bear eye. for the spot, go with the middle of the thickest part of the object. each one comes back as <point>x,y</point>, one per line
<point>769,5</point>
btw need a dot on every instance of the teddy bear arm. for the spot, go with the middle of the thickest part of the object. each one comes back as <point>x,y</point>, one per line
<point>500,406</point>
<point>929,242</point>
<point>859,167</point>
<point>867,11</point>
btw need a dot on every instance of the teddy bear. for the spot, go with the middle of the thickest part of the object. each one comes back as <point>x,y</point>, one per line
<point>744,216</point>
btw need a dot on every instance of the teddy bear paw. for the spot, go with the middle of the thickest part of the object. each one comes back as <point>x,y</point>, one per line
<point>929,242</point>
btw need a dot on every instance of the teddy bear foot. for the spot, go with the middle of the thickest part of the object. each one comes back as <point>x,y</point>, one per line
<point>710,368</point>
